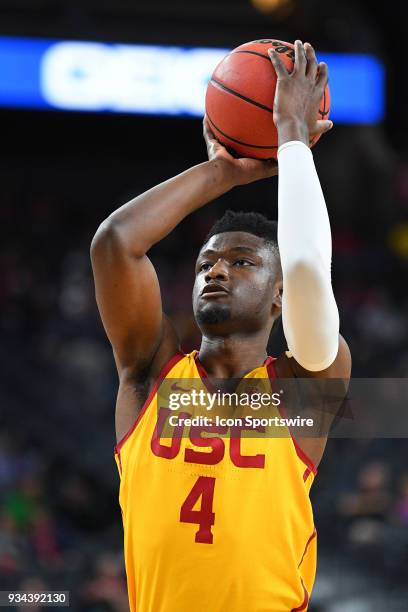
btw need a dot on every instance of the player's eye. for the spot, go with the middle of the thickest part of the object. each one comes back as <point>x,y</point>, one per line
<point>242,262</point>
<point>203,267</point>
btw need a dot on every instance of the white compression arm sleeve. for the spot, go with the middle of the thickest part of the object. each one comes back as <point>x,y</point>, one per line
<point>309,312</point>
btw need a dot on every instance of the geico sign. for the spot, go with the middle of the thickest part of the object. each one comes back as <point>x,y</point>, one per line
<point>127,78</point>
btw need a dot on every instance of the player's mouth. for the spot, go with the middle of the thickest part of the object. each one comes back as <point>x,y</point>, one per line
<point>213,290</point>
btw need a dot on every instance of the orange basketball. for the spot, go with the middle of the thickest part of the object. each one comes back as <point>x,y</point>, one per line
<point>239,99</point>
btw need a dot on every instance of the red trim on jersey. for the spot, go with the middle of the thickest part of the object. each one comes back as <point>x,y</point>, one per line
<point>304,457</point>
<point>268,361</point>
<point>300,452</point>
<point>314,534</point>
<point>306,474</point>
<point>305,601</point>
<point>270,367</point>
<point>162,375</point>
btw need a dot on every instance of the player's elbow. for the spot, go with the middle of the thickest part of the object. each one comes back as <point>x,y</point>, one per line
<point>106,242</point>
<point>110,238</point>
<point>316,357</point>
<point>104,236</point>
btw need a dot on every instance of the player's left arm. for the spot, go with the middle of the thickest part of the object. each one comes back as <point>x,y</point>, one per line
<point>309,311</point>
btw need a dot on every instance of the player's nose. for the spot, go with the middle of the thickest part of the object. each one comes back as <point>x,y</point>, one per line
<point>218,271</point>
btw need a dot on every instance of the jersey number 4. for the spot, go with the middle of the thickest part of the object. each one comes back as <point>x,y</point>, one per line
<point>204,516</point>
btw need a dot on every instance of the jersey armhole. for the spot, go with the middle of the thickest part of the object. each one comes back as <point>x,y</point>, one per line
<point>162,375</point>
<point>299,451</point>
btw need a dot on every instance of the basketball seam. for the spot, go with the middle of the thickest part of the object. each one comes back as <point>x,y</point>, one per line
<point>254,53</point>
<point>238,95</point>
<point>324,111</point>
<point>245,144</point>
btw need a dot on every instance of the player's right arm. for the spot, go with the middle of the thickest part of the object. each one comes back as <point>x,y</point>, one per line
<point>126,284</point>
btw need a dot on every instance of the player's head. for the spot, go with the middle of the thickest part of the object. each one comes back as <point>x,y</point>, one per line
<point>240,258</point>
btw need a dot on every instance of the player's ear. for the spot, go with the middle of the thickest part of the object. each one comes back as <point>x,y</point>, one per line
<point>277,298</point>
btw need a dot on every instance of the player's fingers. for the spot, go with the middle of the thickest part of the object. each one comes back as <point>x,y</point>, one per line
<point>311,69</point>
<point>277,64</point>
<point>210,140</point>
<point>321,127</point>
<point>208,137</point>
<point>207,133</point>
<point>300,58</point>
<point>322,76</point>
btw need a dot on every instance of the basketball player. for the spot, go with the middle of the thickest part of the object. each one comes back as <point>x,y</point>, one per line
<point>222,524</point>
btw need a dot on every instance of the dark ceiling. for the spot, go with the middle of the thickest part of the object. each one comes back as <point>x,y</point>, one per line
<point>350,25</point>
<point>227,22</point>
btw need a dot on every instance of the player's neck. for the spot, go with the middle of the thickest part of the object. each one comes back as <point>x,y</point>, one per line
<point>232,357</point>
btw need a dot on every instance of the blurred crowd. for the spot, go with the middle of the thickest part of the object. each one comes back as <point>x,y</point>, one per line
<point>60,524</point>
<point>53,532</point>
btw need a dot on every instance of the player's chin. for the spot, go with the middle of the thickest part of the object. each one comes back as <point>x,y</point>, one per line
<point>211,313</point>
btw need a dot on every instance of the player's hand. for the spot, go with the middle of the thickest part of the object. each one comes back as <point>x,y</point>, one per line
<point>240,171</point>
<point>298,95</point>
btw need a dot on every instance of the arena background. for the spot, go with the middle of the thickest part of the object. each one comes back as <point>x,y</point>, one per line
<point>62,174</point>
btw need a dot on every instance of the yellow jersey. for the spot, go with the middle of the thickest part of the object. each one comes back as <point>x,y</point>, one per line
<point>220,524</point>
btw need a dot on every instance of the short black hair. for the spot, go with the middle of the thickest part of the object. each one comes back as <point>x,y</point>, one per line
<point>252,222</point>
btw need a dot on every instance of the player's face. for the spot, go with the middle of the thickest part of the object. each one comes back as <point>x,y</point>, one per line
<point>237,285</point>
